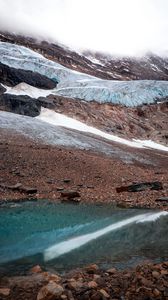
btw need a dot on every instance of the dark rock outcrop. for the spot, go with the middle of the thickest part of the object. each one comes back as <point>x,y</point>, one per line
<point>138,187</point>
<point>2,89</point>
<point>24,105</point>
<point>11,76</point>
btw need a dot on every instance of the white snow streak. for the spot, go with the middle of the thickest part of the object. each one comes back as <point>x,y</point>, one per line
<point>58,119</point>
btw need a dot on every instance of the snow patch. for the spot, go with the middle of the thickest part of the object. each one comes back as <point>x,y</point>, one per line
<point>58,119</point>
<point>26,89</point>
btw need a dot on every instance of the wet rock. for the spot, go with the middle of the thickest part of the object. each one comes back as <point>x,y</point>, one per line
<point>138,187</point>
<point>51,291</point>
<point>4,291</point>
<point>11,76</point>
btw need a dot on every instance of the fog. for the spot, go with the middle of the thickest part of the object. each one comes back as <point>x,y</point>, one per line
<point>120,27</point>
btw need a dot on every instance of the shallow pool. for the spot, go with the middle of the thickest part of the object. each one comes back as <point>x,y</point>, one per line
<point>63,236</point>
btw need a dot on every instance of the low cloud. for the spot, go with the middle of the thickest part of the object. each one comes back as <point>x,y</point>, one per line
<point>120,27</point>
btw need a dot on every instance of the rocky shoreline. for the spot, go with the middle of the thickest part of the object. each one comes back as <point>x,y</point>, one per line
<point>147,281</point>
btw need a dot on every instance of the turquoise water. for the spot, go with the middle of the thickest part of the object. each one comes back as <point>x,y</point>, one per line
<point>61,237</point>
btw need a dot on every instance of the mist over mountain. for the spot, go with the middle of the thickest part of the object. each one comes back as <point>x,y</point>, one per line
<point>123,27</point>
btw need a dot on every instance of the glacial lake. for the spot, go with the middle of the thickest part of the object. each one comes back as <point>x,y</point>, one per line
<point>61,237</point>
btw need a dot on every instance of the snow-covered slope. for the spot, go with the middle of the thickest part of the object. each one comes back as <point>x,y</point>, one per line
<point>57,119</point>
<point>82,86</point>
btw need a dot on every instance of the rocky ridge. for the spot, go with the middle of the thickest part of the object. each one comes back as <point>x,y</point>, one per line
<point>151,67</point>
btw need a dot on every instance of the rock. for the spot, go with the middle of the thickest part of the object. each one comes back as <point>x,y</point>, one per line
<point>11,76</point>
<point>75,285</point>
<point>96,296</point>
<point>66,180</point>
<point>11,187</point>
<point>70,195</point>
<point>160,199</point>
<point>52,277</point>
<point>4,291</point>
<point>138,187</point>
<point>28,190</point>
<point>51,291</point>
<point>104,293</point>
<point>2,89</point>
<point>111,271</point>
<point>156,274</point>
<point>92,284</point>
<point>20,104</point>
<point>91,269</point>
<point>156,292</point>
<point>59,189</point>
<point>36,269</point>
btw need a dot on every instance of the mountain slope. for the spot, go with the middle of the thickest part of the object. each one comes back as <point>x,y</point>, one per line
<point>104,66</point>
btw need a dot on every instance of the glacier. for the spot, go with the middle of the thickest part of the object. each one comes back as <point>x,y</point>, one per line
<point>82,86</point>
<point>49,134</point>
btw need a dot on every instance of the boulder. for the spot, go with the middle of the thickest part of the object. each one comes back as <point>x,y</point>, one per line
<point>36,269</point>
<point>4,292</point>
<point>138,187</point>
<point>70,195</point>
<point>23,105</point>
<point>11,76</point>
<point>91,269</point>
<point>51,291</point>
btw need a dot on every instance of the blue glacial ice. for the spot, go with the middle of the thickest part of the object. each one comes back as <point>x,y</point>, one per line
<point>74,84</point>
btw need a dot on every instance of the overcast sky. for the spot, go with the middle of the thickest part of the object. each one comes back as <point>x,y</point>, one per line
<point>125,27</point>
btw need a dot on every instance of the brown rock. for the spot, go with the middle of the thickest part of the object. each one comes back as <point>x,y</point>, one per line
<point>51,291</point>
<point>36,269</point>
<point>92,285</point>
<point>111,271</point>
<point>164,272</point>
<point>91,269</point>
<point>4,291</point>
<point>70,194</point>
<point>104,293</point>
<point>156,292</point>
<point>156,274</point>
<point>75,285</point>
<point>28,190</point>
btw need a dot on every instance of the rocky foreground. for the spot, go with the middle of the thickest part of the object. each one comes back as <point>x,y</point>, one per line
<point>29,169</point>
<point>149,281</point>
